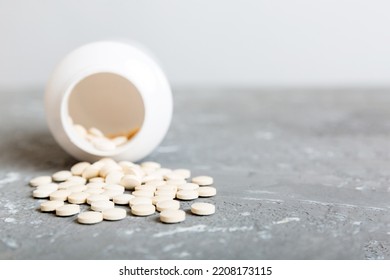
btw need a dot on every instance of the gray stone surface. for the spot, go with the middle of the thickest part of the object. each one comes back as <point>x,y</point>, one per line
<point>301,174</point>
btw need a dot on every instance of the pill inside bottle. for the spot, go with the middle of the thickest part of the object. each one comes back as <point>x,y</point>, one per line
<point>105,111</point>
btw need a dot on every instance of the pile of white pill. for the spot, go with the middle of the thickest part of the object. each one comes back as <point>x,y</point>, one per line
<point>99,140</point>
<point>145,188</point>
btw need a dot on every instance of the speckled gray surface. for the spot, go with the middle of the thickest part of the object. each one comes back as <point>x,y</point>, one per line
<point>301,174</point>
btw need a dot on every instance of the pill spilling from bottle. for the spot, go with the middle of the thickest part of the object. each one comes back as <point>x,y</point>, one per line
<point>96,138</point>
<point>109,187</point>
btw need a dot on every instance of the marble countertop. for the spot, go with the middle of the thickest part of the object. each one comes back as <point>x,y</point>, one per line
<point>301,174</point>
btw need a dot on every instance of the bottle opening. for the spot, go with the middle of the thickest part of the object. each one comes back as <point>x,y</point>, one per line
<point>104,112</point>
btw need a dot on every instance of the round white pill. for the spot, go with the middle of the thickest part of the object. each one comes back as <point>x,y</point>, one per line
<point>157,199</point>
<point>176,182</point>
<point>96,185</point>
<point>102,205</point>
<point>65,185</point>
<point>188,186</point>
<point>94,191</point>
<point>97,165</point>
<point>143,209</point>
<point>96,197</point>
<point>162,171</point>
<point>80,130</point>
<point>68,210</point>
<point>45,193</point>
<point>146,188</point>
<point>77,179</point>
<point>122,199</point>
<point>61,176</point>
<point>90,172</point>
<point>96,180</point>
<point>78,197</point>
<point>104,144</point>
<point>172,216</point>
<point>51,205</point>
<point>152,177</point>
<point>40,180</point>
<point>168,205</point>
<point>148,170</point>
<point>120,140</point>
<point>126,167</point>
<point>51,186</point>
<point>79,168</point>
<point>114,177</point>
<point>171,193</point>
<point>173,176</point>
<point>130,181</point>
<point>151,164</point>
<point>108,168</point>
<point>95,132</point>
<point>114,214</point>
<point>144,193</point>
<point>126,164</point>
<point>172,188</point>
<point>112,193</point>
<point>136,171</point>
<point>207,191</point>
<point>155,183</point>
<point>114,187</point>
<point>77,188</point>
<point>140,200</point>
<point>60,195</point>
<point>203,180</point>
<point>90,217</point>
<point>107,161</point>
<point>187,194</point>
<point>202,208</point>
<point>185,173</point>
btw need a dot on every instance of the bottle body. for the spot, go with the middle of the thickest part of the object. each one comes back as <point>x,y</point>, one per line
<point>106,91</point>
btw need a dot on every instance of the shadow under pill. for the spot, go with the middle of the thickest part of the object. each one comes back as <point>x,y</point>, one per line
<point>188,212</point>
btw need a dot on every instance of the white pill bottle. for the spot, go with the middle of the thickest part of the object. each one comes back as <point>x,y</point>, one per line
<point>115,87</point>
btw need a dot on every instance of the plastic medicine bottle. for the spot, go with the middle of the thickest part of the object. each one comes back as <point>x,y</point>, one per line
<point>115,87</point>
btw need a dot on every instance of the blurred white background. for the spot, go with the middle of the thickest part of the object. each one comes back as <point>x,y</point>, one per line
<point>218,43</point>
